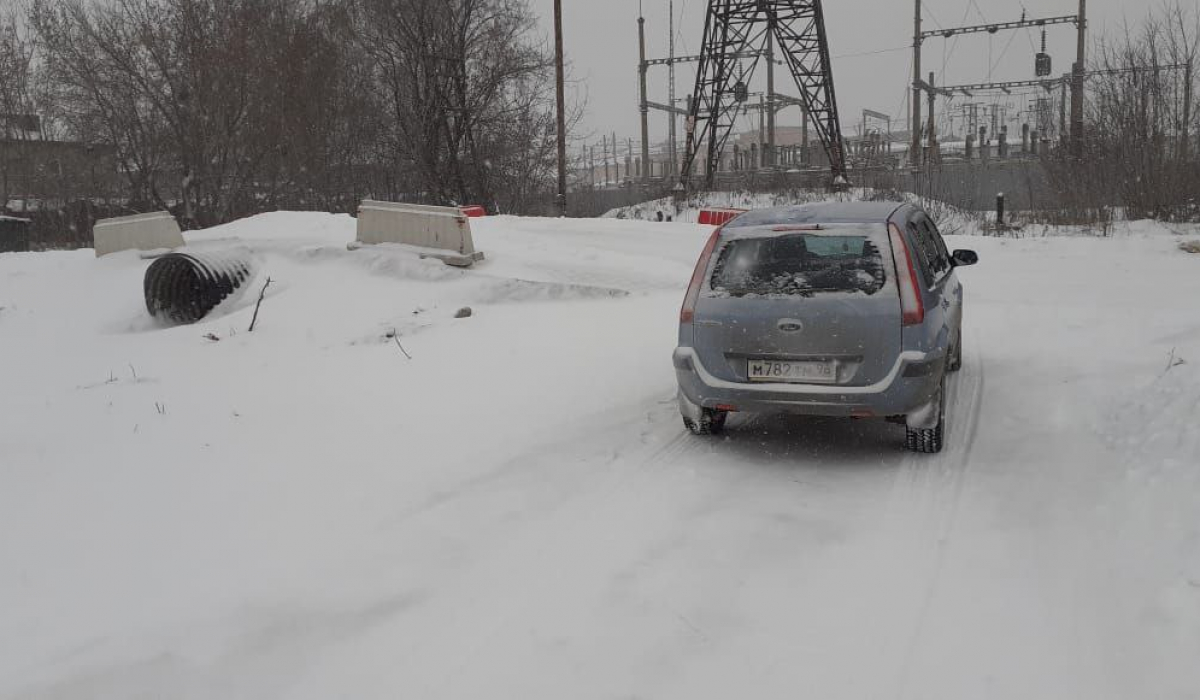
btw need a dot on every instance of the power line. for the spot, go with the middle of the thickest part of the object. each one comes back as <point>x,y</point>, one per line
<point>682,37</point>
<point>954,45</point>
<point>1002,54</point>
<point>977,9</point>
<point>907,95</point>
<point>1028,35</point>
<point>874,53</point>
<point>932,18</point>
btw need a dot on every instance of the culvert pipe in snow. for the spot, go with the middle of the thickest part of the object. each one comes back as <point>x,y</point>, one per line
<point>184,287</point>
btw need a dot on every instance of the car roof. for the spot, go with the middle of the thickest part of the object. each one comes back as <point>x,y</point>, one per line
<point>830,212</point>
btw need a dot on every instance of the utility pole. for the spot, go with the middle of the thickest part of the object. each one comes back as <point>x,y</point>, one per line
<point>1077,83</point>
<point>1063,135</point>
<point>645,107</point>
<point>689,149</point>
<point>915,147</point>
<point>629,161</point>
<point>604,146</point>
<point>804,134</point>
<point>769,160</point>
<point>932,124</point>
<point>1185,149</point>
<point>762,130</point>
<point>671,92</point>
<point>562,108</point>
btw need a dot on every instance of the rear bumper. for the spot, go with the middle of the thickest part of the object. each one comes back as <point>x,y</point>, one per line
<point>912,382</point>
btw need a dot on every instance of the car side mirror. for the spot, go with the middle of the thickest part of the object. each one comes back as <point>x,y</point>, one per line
<point>962,258</point>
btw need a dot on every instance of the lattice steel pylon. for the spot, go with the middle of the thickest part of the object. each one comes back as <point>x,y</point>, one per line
<point>737,35</point>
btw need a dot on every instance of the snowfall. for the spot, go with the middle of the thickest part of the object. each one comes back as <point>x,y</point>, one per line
<point>367,497</point>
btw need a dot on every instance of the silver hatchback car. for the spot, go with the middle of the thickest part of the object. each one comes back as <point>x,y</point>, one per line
<point>838,309</point>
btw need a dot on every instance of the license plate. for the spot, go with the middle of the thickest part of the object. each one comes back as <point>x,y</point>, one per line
<point>791,371</point>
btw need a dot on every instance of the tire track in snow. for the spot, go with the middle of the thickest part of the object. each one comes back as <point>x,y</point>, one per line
<point>583,519</point>
<point>578,443</point>
<point>575,512</point>
<point>915,532</point>
<point>470,624</point>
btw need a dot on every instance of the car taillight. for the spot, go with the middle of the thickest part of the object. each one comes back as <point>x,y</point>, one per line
<point>912,307</point>
<point>688,312</point>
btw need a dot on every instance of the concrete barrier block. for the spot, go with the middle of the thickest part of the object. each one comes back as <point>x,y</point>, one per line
<point>153,231</point>
<point>437,232</point>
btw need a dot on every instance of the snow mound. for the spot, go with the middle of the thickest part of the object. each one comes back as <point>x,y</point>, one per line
<point>291,227</point>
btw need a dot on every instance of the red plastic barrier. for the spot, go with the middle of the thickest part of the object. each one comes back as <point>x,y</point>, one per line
<point>717,217</point>
<point>473,211</point>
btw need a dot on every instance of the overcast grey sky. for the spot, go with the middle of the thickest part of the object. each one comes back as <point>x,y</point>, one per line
<point>601,41</point>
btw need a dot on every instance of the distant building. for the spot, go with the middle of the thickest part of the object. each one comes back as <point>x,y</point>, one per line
<point>784,136</point>
<point>21,127</point>
<point>36,172</point>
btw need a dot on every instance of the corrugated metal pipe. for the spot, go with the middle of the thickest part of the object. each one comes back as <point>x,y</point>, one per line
<point>184,287</point>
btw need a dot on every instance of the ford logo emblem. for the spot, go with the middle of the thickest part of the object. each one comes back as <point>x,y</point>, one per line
<point>789,325</point>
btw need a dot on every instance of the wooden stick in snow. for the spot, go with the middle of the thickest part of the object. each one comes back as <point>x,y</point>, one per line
<point>261,294</point>
<point>396,337</point>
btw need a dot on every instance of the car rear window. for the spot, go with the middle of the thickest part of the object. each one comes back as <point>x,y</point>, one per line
<point>800,264</point>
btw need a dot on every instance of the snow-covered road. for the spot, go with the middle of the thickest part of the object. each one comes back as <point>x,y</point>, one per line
<point>516,512</point>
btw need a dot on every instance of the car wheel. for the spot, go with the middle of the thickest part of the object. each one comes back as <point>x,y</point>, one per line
<point>929,440</point>
<point>956,355</point>
<point>712,422</point>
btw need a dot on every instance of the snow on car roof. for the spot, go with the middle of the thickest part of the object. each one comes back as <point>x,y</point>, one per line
<point>821,213</point>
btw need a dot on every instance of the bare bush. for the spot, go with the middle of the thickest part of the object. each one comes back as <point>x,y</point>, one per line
<point>221,108</point>
<point>1139,150</point>
<point>467,90</point>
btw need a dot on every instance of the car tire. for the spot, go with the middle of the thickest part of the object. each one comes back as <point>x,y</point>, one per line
<point>930,440</point>
<point>956,354</point>
<point>712,422</point>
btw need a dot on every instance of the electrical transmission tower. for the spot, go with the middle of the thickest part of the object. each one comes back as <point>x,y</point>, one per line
<point>738,34</point>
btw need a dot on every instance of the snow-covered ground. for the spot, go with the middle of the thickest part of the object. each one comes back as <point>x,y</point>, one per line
<point>516,512</point>
<point>950,219</point>
<point>689,210</point>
